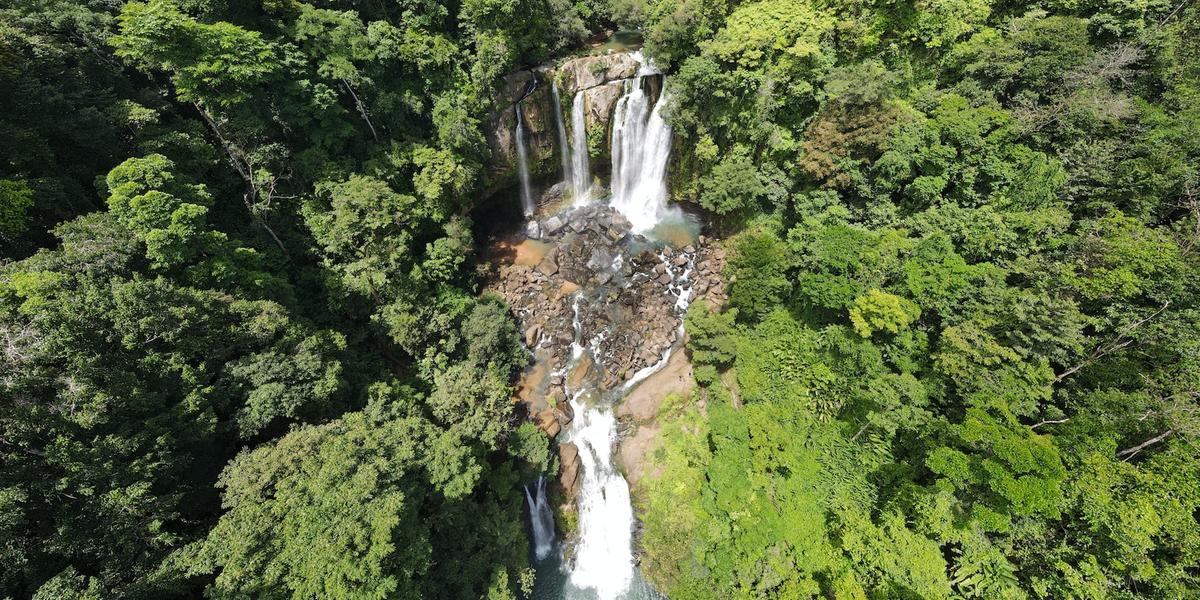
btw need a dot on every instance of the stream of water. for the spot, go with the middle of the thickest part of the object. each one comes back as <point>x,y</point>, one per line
<point>527,203</point>
<point>602,566</point>
<point>581,178</point>
<point>564,150</point>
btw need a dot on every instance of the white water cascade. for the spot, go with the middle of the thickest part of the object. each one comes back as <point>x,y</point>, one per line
<point>523,162</point>
<point>564,151</point>
<point>604,556</point>
<point>541,519</point>
<point>641,147</point>
<point>581,178</point>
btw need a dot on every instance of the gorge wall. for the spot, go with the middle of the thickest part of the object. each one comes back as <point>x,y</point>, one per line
<point>600,78</point>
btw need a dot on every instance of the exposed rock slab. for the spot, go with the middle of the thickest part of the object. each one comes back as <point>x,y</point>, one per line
<point>640,409</point>
<point>587,72</point>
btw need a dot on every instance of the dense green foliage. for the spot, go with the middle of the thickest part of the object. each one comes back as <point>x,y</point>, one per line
<point>243,352</point>
<point>960,354</point>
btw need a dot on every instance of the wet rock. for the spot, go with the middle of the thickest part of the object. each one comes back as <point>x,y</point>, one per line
<point>549,265</point>
<point>532,334</point>
<point>548,423</point>
<point>553,194</point>
<point>570,468</point>
<point>553,225</point>
<point>564,411</point>
<point>583,371</point>
<point>532,230</point>
<point>600,260</point>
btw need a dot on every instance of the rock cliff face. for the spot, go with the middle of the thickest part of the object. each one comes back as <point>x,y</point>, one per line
<point>601,78</point>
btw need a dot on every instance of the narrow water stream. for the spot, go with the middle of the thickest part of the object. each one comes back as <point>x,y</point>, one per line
<point>527,203</point>
<point>601,562</point>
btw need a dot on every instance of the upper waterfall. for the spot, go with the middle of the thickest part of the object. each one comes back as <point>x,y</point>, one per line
<point>641,148</point>
<point>581,177</point>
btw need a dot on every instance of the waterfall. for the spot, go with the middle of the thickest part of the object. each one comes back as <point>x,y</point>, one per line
<point>564,151</point>
<point>523,162</point>
<point>541,519</point>
<point>641,146</point>
<point>604,556</point>
<point>581,183</point>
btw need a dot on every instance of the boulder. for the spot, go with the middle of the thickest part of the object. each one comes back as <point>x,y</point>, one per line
<point>532,334</point>
<point>549,264</point>
<point>601,260</point>
<point>570,467</point>
<point>583,371</point>
<point>566,412</point>
<point>553,225</point>
<point>548,423</point>
<point>553,194</point>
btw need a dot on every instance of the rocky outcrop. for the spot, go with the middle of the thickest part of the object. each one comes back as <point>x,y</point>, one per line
<point>631,310</point>
<point>710,264</point>
<point>629,317</point>
<point>587,72</point>
<point>570,467</point>
<point>600,103</point>
<point>537,112</point>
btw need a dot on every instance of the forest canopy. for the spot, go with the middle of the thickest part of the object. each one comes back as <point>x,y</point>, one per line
<point>244,350</point>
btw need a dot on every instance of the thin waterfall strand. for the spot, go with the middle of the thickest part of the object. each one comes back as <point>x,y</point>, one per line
<point>581,184</point>
<point>564,151</point>
<point>541,520</point>
<point>523,163</point>
<point>641,148</point>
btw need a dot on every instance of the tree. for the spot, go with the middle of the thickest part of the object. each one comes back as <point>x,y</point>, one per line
<point>756,272</point>
<point>880,311</point>
<point>999,469</point>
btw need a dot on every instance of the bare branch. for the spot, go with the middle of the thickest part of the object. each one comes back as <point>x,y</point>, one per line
<point>1118,343</point>
<point>1129,453</point>
<point>246,170</point>
<point>1049,422</point>
<point>362,109</point>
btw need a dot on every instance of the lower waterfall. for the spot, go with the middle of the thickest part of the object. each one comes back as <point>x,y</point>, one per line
<point>604,554</point>
<point>540,519</point>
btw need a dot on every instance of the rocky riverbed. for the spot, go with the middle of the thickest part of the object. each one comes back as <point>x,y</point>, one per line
<point>628,292</point>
